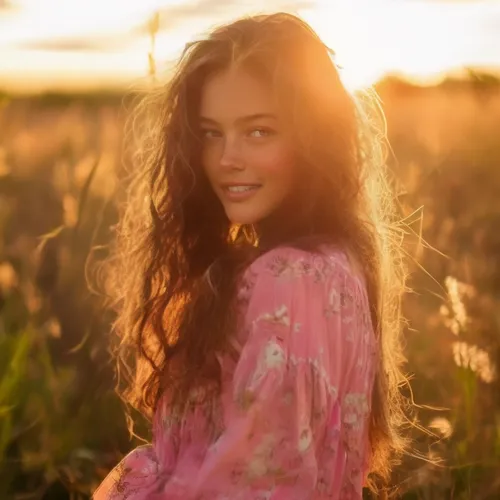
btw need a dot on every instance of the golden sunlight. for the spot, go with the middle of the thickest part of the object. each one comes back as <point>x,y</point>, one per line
<point>32,20</point>
<point>419,39</point>
<point>97,43</point>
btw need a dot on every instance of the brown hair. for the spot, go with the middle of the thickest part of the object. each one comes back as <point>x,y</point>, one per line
<point>175,261</point>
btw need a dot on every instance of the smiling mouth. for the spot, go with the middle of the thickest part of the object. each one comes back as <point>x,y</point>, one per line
<point>242,188</point>
<point>240,192</point>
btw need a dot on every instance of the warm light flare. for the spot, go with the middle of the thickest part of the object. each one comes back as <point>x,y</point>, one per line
<point>58,43</point>
<point>36,20</point>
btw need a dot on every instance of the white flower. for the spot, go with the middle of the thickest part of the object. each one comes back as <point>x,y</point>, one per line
<point>305,440</point>
<point>274,355</point>
<point>257,467</point>
<point>150,469</point>
<point>350,418</point>
<point>334,300</point>
<point>356,406</point>
<point>279,316</point>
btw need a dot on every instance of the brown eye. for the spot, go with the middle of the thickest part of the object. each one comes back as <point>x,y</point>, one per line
<point>210,134</point>
<point>261,132</point>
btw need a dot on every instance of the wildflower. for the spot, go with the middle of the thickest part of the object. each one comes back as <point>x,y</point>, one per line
<point>456,319</point>
<point>442,425</point>
<point>476,359</point>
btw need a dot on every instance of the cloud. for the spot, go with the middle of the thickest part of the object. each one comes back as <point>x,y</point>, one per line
<point>78,44</point>
<point>172,17</point>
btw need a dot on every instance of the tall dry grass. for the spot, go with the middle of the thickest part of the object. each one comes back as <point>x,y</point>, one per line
<point>61,426</point>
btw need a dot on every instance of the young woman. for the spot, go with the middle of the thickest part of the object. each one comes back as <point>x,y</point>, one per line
<point>258,287</point>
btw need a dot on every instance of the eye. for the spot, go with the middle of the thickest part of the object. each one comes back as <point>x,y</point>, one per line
<point>261,132</point>
<point>210,133</point>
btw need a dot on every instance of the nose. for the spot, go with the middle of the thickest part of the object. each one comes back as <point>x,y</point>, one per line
<point>232,155</point>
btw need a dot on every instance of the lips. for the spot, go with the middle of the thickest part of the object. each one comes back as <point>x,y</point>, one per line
<point>242,188</point>
<point>239,192</point>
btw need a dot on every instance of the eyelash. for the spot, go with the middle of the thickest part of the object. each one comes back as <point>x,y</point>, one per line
<point>205,133</point>
<point>265,131</point>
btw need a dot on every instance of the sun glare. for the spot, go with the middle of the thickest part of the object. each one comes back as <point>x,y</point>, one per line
<point>56,19</point>
<point>58,41</point>
<point>373,38</point>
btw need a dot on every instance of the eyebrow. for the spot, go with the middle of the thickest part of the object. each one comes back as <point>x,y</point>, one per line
<point>244,119</point>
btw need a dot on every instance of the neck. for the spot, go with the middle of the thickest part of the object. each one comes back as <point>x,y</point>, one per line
<point>283,226</point>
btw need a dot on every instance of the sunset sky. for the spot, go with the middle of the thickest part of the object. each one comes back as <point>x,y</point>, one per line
<point>53,44</point>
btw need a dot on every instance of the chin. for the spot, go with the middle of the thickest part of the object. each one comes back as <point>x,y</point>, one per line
<point>237,217</point>
<point>243,220</point>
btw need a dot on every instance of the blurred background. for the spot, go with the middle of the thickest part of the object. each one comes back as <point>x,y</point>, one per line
<point>66,68</point>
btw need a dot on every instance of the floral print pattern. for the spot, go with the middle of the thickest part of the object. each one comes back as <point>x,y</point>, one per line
<point>291,421</point>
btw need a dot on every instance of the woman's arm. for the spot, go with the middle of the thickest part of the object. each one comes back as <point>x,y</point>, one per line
<point>301,388</point>
<point>136,477</point>
<point>296,425</point>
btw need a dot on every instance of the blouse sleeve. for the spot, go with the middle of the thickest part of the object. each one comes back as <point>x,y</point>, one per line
<point>136,477</point>
<point>288,437</point>
<point>295,426</point>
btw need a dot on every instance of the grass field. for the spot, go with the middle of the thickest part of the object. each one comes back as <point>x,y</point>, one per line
<point>61,426</point>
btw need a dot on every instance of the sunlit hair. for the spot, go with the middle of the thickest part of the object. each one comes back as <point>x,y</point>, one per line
<point>176,259</point>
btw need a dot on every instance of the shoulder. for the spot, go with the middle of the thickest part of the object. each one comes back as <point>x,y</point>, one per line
<point>308,282</point>
<point>295,265</point>
<point>311,303</point>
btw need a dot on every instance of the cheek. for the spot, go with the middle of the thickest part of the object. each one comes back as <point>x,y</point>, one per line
<point>277,164</point>
<point>210,158</point>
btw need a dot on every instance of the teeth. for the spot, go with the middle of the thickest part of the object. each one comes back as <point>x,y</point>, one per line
<point>240,189</point>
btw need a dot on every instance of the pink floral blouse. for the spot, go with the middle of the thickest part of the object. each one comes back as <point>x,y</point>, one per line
<point>292,419</point>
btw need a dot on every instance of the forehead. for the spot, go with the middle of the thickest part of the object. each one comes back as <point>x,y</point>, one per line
<point>234,93</point>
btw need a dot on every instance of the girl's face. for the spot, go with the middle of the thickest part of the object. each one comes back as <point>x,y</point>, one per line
<point>247,150</point>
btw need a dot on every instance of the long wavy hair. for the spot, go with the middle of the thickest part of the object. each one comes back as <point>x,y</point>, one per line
<point>176,259</point>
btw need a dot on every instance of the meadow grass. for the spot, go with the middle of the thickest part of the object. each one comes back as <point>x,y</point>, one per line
<point>61,425</point>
